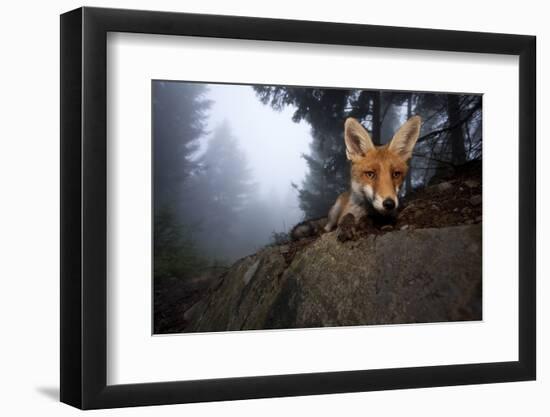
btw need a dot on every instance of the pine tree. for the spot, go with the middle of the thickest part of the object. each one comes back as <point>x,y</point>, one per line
<point>222,188</point>
<point>179,121</point>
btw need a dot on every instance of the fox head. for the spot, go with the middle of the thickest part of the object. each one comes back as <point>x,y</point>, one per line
<point>377,172</point>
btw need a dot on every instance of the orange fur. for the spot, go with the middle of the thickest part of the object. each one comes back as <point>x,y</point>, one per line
<point>388,168</point>
<point>377,172</point>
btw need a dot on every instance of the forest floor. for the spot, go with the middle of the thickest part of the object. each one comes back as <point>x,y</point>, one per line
<point>452,201</point>
<point>174,298</point>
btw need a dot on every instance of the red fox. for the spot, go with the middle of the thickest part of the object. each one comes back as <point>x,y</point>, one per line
<point>377,172</point>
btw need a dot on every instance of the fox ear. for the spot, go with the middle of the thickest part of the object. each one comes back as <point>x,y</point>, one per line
<point>404,140</point>
<point>358,141</point>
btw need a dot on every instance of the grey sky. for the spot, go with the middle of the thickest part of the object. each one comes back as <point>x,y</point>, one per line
<point>273,143</point>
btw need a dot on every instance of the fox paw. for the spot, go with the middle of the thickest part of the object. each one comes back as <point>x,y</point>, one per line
<point>347,229</point>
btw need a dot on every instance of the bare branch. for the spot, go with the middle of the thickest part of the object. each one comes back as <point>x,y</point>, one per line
<point>449,128</point>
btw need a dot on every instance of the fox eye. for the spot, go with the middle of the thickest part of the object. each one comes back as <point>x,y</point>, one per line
<point>396,174</point>
<point>370,174</point>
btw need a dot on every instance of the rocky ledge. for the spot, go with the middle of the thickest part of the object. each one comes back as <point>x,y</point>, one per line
<point>405,276</point>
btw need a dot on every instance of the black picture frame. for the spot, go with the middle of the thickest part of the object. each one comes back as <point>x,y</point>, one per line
<point>84,207</point>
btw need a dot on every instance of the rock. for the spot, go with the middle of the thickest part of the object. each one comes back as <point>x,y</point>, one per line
<point>456,210</point>
<point>405,276</point>
<point>195,310</point>
<point>404,227</point>
<point>476,200</point>
<point>471,183</point>
<point>408,207</point>
<point>441,187</point>
<point>386,228</point>
<point>250,272</point>
<point>284,249</point>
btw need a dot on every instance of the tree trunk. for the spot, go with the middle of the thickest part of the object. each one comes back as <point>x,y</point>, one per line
<point>456,136</point>
<point>408,178</point>
<point>376,117</point>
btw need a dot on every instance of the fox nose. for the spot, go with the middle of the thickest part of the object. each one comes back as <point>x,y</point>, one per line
<point>388,204</point>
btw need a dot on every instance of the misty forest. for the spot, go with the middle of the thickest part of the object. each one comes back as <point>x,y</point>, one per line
<point>236,167</point>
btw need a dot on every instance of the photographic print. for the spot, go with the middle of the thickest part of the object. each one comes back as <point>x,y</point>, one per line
<point>289,198</point>
<point>290,207</point>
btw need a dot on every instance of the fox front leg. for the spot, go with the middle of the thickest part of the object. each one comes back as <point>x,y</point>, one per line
<point>334,215</point>
<point>347,228</point>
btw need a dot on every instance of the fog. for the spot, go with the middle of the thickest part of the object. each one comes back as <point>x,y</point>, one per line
<point>272,142</point>
<point>227,182</point>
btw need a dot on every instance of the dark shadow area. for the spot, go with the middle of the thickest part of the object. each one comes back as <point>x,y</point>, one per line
<point>50,392</point>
